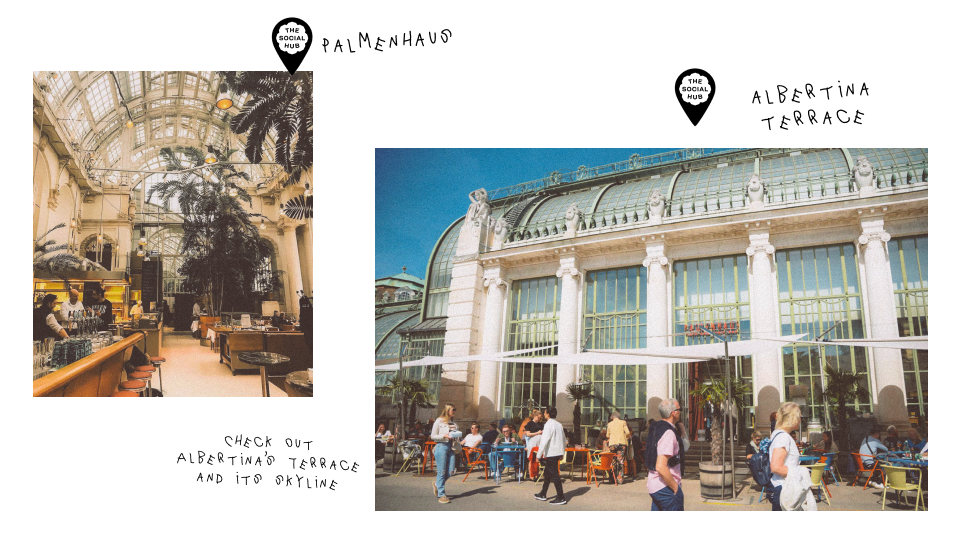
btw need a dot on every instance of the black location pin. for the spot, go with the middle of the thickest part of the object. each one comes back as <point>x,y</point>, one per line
<point>292,39</point>
<point>695,89</point>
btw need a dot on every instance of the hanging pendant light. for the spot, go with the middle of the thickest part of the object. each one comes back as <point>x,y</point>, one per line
<point>308,192</point>
<point>143,240</point>
<point>140,252</point>
<point>263,224</point>
<point>73,223</point>
<point>233,192</point>
<point>224,100</point>
<point>129,123</point>
<point>211,158</point>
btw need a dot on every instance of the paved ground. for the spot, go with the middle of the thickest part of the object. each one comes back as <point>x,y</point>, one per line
<point>413,492</point>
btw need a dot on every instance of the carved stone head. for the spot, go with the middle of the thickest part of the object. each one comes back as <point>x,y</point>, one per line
<point>863,173</point>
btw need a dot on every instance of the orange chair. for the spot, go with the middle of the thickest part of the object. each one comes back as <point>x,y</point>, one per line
<point>533,465</point>
<point>427,456</point>
<point>475,458</point>
<point>602,461</point>
<point>858,458</point>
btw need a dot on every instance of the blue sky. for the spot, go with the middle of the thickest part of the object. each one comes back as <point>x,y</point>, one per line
<point>422,191</point>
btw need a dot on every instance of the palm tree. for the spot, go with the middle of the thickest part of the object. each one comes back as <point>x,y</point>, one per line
<point>716,394</point>
<point>415,392</point>
<point>280,101</point>
<point>578,392</point>
<point>223,248</point>
<point>845,388</point>
<point>54,258</point>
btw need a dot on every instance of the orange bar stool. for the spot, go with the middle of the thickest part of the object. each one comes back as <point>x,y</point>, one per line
<point>124,393</point>
<point>157,362</point>
<point>136,387</point>
<point>151,370</point>
<point>143,377</point>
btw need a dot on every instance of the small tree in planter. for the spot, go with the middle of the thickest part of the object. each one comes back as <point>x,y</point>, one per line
<point>412,392</point>
<point>844,388</point>
<point>716,394</point>
<point>577,393</point>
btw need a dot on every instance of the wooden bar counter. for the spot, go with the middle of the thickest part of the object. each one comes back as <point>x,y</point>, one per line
<point>96,375</point>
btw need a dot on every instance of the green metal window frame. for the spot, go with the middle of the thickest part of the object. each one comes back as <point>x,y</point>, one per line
<point>818,287</point>
<point>707,291</point>
<point>908,266</point>
<point>424,344</point>
<point>615,317</point>
<point>534,316</point>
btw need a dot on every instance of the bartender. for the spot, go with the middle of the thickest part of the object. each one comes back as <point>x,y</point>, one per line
<point>45,322</point>
<point>102,307</point>
<point>136,311</point>
<point>67,310</point>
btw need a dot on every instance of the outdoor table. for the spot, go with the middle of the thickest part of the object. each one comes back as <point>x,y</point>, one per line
<point>809,459</point>
<point>507,448</point>
<point>908,462</point>
<point>583,463</point>
<point>263,359</point>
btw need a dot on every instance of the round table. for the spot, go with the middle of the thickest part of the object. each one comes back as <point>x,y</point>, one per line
<point>301,382</point>
<point>263,359</point>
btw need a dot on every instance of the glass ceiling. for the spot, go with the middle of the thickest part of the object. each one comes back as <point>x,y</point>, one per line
<point>168,108</point>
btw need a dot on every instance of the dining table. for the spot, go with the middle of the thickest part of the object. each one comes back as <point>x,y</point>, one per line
<point>584,462</point>
<point>496,456</point>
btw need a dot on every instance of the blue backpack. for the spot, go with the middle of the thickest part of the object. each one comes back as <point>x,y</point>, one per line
<point>759,463</point>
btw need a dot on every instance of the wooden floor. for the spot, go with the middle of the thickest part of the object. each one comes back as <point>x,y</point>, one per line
<point>192,370</point>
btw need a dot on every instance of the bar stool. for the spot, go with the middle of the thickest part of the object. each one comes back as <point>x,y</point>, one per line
<point>144,377</point>
<point>157,362</point>
<point>136,387</point>
<point>124,393</point>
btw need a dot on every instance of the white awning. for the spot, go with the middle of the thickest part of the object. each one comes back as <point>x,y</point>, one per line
<point>909,343</point>
<point>659,355</point>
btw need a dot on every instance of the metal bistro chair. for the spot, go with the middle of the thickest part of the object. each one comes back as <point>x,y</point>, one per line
<point>858,459</point>
<point>830,460</point>
<point>897,481</point>
<point>563,461</point>
<point>511,457</point>
<point>602,461</point>
<point>476,458</point>
<point>411,454</point>
<point>816,480</point>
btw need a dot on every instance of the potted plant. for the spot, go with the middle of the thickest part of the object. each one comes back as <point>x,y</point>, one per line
<point>715,475</point>
<point>844,388</point>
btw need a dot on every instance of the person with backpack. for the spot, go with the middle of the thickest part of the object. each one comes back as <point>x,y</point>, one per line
<point>784,453</point>
<point>664,459</point>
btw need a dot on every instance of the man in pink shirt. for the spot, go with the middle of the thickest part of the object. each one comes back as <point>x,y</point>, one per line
<point>663,483</point>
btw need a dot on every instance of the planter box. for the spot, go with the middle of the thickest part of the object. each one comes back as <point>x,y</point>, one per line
<point>713,482</point>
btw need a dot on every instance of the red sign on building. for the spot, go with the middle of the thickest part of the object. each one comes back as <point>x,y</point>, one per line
<point>722,328</point>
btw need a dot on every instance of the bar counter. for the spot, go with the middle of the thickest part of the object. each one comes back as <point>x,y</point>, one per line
<point>96,375</point>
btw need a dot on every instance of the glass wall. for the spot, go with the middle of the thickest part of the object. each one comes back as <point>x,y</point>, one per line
<point>615,317</point>
<point>534,314</point>
<point>820,287</point>
<point>711,292</point>
<point>908,266</point>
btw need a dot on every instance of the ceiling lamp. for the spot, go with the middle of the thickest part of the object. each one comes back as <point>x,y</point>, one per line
<point>73,223</point>
<point>140,252</point>
<point>211,158</point>
<point>308,192</point>
<point>233,192</point>
<point>143,241</point>
<point>224,101</point>
<point>263,224</point>
<point>129,123</point>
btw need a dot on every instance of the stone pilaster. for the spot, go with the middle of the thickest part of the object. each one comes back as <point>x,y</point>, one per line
<point>658,323</point>
<point>767,374</point>
<point>890,399</point>
<point>291,254</point>
<point>567,329</point>
<point>487,373</point>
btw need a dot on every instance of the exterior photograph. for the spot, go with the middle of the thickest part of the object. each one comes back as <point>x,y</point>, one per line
<point>172,233</point>
<point>709,297</point>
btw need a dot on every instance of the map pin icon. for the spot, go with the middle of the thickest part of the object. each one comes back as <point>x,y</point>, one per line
<point>695,89</point>
<point>292,39</point>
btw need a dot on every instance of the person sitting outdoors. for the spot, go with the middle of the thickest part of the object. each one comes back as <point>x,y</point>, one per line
<point>827,444</point>
<point>754,445</point>
<point>871,446</point>
<point>473,439</point>
<point>383,434</point>
<point>600,443</point>
<point>914,443</point>
<point>490,436</point>
<point>417,432</point>
<point>892,440</point>
<point>507,435</point>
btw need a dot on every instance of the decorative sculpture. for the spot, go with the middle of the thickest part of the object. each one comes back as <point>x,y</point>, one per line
<point>573,217</point>
<point>863,174</point>
<point>656,204</point>
<point>500,231</point>
<point>479,209</point>
<point>755,190</point>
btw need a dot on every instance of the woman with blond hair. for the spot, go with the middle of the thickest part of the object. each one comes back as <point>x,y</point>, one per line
<point>784,453</point>
<point>445,434</point>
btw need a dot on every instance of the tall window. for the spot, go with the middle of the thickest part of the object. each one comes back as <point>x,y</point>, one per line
<point>711,292</point>
<point>820,287</point>
<point>615,317</point>
<point>168,244</point>
<point>908,265</point>
<point>534,313</point>
<point>441,274</point>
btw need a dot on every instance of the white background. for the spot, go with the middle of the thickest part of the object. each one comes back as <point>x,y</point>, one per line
<point>531,75</point>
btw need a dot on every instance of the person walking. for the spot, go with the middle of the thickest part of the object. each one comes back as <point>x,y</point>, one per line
<point>663,480</point>
<point>784,453</point>
<point>617,438</point>
<point>444,433</point>
<point>553,444</point>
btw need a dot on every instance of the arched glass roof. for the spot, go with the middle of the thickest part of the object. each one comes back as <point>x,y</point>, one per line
<point>710,189</point>
<point>788,177</point>
<point>895,166</point>
<point>552,211</point>
<point>631,196</point>
<point>390,347</point>
<point>167,108</point>
<point>388,322</point>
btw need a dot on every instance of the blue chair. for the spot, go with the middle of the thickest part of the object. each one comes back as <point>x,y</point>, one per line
<point>510,458</point>
<point>829,466</point>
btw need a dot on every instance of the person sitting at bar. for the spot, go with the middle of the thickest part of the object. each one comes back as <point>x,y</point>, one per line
<point>67,310</point>
<point>102,307</point>
<point>45,322</point>
<point>276,321</point>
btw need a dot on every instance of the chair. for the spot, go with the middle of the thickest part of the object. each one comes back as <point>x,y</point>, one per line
<point>602,461</point>
<point>411,453</point>
<point>829,458</point>
<point>511,458</point>
<point>816,480</point>
<point>476,458</point>
<point>858,459</point>
<point>427,457</point>
<point>897,480</point>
